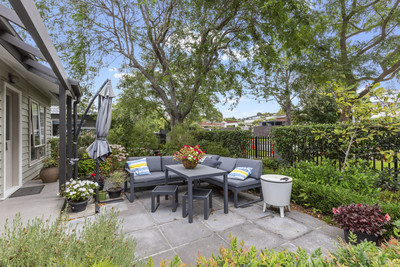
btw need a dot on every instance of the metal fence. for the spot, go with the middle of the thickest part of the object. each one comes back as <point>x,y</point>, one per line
<point>260,147</point>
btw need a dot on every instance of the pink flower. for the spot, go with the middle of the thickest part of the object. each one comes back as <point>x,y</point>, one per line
<point>379,219</point>
<point>359,205</point>
<point>387,217</point>
<point>336,211</point>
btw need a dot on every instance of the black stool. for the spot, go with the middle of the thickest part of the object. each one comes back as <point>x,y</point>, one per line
<point>164,190</point>
<point>198,193</point>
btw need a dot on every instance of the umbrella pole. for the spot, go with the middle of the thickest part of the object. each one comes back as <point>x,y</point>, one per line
<point>97,181</point>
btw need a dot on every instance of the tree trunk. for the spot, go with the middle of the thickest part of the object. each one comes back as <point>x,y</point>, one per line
<point>288,109</point>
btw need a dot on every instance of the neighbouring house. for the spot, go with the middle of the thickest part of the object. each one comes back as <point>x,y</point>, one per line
<point>231,124</point>
<point>276,120</point>
<point>207,125</point>
<point>27,90</point>
<point>88,124</point>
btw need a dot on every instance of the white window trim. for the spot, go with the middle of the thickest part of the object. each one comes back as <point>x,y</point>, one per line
<point>33,162</point>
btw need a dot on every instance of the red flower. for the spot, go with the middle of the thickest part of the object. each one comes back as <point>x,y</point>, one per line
<point>387,217</point>
<point>93,174</point>
<point>359,205</point>
<point>379,219</point>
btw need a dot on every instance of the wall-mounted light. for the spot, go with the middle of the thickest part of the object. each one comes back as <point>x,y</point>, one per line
<point>12,78</point>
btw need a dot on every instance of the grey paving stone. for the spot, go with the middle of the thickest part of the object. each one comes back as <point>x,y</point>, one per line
<point>182,232</point>
<point>314,240</point>
<point>332,231</point>
<point>149,242</point>
<point>136,218</point>
<point>253,235</point>
<point>285,227</point>
<point>252,212</point>
<point>288,246</point>
<point>205,246</point>
<point>306,219</point>
<point>167,256</point>
<point>219,221</point>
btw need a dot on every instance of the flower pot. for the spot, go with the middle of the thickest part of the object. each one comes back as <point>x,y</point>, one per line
<point>361,237</point>
<point>189,164</point>
<point>114,192</point>
<point>102,195</point>
<point>49,175</point>
<point>78,206</point>
<point>101,185</point>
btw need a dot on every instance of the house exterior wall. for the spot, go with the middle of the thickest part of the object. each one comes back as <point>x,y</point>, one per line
<point>27,92</point>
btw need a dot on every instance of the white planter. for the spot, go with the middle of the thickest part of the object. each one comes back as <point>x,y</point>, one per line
<point>276,191</point>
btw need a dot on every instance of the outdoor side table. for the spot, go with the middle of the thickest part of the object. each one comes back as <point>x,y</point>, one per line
<point>200,172</point>
<point>202,194</point>
<point>276,191</point>
<point>164,190</point>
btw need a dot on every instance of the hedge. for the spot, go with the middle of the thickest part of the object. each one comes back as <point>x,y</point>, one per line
<point>298,142</point>
<point>236,141</point>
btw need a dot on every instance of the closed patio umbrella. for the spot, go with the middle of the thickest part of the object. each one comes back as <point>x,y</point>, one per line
<point>100,149</point>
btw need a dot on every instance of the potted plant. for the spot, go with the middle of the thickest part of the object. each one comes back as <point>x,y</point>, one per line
<point>365,221</point>
<point>116,180</point>
<point>189,156</point>
<point>78,193</point>
<point>50,171</point>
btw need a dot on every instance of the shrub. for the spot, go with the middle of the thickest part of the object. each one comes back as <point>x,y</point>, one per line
<point>361,218</point>
<point>271,163</point>
<point>363,254</point>
<point>214,148</point>
<point>45,243</point>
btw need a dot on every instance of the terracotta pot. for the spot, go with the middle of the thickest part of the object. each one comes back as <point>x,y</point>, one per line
<point>78,206</point>
<point>49,175</point>
<point>361,237</point>
<point>188,164</point>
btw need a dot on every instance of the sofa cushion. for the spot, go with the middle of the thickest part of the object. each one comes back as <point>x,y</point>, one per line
<point>152,177</point>
<point>237,183</point>
<point>211,162</point>
<point>138,167</point>
<point>255,164</point>
<point>228,164</point>
<point>240,173</point>
<point>216,157</point>
<point>168,160</point>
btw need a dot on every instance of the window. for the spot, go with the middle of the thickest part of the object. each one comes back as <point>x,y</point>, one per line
<point>37,131</point>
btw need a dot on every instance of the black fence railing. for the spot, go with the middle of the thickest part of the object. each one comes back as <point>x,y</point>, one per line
<point>260,147</point>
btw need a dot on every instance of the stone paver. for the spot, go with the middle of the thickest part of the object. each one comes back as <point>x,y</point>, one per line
<point>181,232</point>
<point>285,227</point>
<point>149,241</point>
<point>253,235</point>
<point>205,247</point>
<point>164,234</point>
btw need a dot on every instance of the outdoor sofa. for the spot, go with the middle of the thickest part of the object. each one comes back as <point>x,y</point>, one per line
<point>156,165</point>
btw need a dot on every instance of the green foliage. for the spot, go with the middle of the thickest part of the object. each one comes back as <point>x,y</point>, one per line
<point>214,148</point>
<point>235,141</point>
<point>324,187</point>
<point>117,179</point>
<point>271,163</point>
<point>87,165</point>
<point>363,254</point>
<point>299,142</point>
<point>52,160</point>
<point>46,243</point>
<point>388,179</point>
<point>179,136</point>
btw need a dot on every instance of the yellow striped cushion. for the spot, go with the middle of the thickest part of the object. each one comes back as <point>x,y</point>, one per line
<point>240,173</point>
<point>139,167</point>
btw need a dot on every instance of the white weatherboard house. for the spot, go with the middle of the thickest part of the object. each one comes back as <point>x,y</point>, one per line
<point>27,90</point>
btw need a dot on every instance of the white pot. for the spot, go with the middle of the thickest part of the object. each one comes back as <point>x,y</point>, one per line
<point>276,190</point>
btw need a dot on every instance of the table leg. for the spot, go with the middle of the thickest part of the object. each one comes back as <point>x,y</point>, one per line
<point>225,193</point>
<point>190,200</point>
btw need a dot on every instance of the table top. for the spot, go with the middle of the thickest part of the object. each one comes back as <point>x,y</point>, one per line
<point>201,171</point>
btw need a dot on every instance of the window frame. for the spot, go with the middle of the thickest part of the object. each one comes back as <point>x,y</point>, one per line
<point>32,141</point>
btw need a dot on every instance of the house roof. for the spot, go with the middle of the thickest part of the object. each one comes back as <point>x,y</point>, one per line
<point>26,56</point>
<point>207,123</point>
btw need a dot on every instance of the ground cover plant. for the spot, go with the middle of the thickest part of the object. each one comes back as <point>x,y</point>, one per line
<point>364,254</point>
<point>323,187</point>
<point>45,243</point>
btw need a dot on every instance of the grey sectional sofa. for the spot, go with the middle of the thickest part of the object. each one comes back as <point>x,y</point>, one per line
<point>157,165</point>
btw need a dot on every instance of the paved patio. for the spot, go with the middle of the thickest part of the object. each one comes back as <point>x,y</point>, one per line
<point>163,234</point>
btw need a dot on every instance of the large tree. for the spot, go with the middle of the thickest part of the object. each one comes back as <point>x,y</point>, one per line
<point>184,49</point>
<point>357,43</point>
